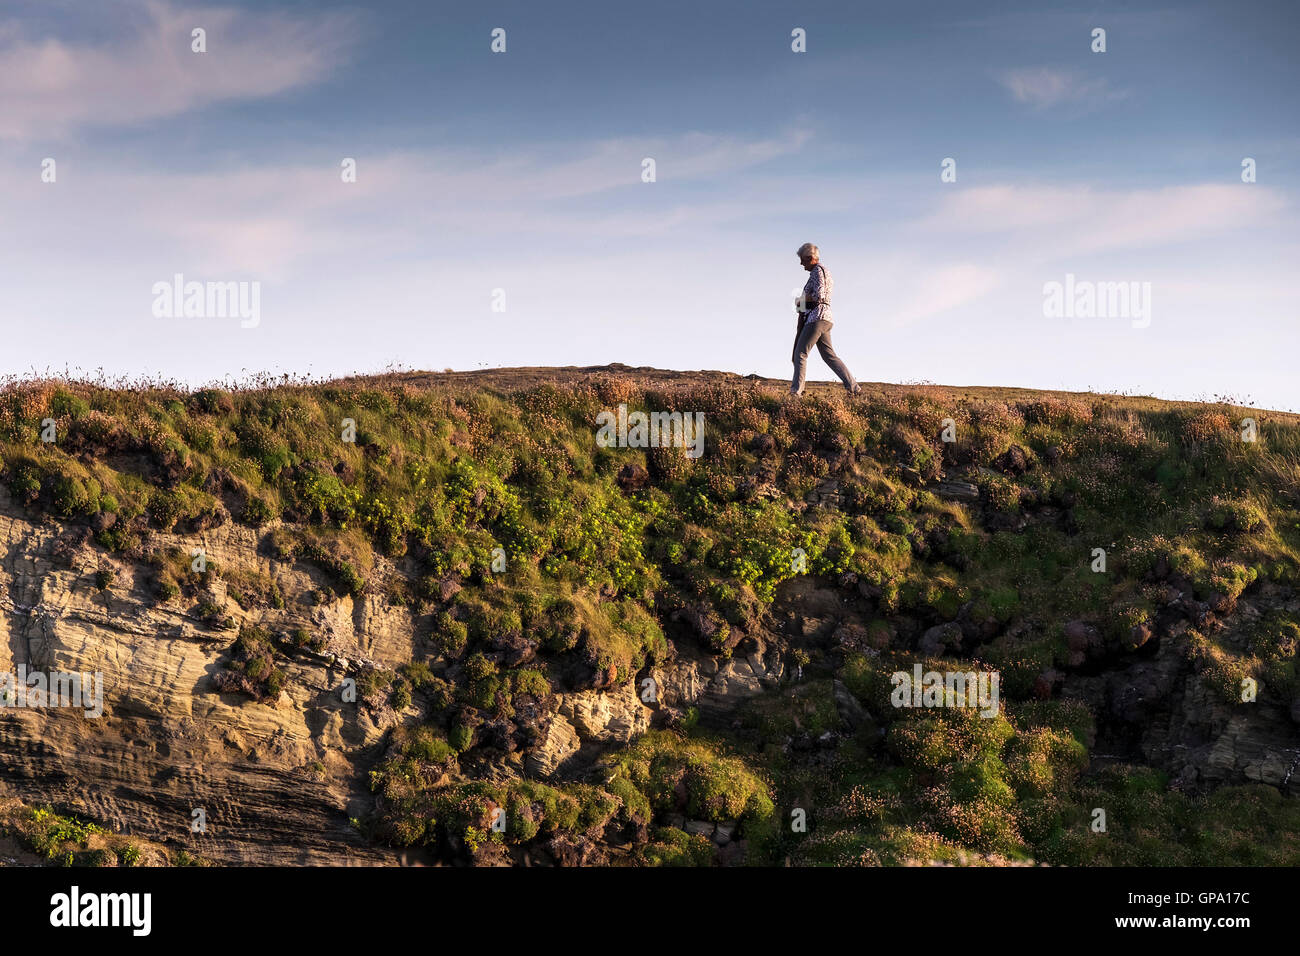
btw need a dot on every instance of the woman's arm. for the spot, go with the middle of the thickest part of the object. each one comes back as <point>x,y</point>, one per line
<point>815,288</point>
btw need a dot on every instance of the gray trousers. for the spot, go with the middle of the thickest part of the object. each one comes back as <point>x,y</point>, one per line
<point>819,334</point>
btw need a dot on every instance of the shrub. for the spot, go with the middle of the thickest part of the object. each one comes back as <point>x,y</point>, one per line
<point>258,511</point>
<point>1235,516</point>
<point>128,855</point>
<point>461,737</point>
<point>717,787</point>
<point>48,832</point>
<point>251,667</point>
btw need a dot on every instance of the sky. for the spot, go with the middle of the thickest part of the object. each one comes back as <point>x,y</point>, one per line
<point>500,215</point>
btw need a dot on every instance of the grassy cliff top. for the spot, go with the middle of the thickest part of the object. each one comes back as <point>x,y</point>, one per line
<point>927,506</point>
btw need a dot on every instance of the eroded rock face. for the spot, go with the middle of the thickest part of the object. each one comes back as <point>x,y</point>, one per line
<point>560,743</point>
<point>276,780</point>
<point>615,716</point>
<point>716,687</point>
<point>1177,721</point>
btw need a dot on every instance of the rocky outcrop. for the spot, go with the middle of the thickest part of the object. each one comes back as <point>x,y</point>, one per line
<point>716,687</point>
<point>1159,711</point>
<point>956,490</point>
<point>588,719</point>
<point>560,743</point>
<point>606,717</point>
<point>276,781</point>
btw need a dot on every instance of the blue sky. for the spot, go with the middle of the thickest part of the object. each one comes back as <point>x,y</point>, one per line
<point>521,171</point>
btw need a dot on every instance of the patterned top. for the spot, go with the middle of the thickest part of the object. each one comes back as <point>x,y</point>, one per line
<point>817,294</point>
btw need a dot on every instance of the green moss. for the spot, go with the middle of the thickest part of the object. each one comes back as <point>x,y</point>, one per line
<point>718,787</point>
<point>673,847</point>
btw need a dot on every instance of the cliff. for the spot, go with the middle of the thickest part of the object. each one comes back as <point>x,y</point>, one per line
<point>423,618</point>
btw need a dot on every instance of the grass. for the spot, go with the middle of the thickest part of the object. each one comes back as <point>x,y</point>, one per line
<point>489,509</point>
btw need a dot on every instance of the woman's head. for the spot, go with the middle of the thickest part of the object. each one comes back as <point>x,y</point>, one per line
<point>808,255</point>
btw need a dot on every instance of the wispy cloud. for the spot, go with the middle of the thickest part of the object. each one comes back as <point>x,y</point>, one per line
<point>1080,219</point>
<point>936,291</point>
<point>1042,88</point>
<point>146,71</point>
<point>1004,238</point>
<point>277,220</point>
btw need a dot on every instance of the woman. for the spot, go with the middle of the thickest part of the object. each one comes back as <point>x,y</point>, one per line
<point>814,307</point>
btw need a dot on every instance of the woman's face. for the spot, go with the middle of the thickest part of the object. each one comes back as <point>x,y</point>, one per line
<point>808,260</point>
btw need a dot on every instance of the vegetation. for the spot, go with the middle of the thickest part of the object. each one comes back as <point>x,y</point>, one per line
<point>68,840</point>
<point>544,569</point>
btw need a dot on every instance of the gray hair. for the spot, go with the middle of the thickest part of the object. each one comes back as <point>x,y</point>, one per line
<point>809,249</point>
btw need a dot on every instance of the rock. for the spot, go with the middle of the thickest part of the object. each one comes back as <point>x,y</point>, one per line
<point>957,491</point>
<point>512,648</point>
<point>852,713</point>
<point>576,851</point>
<point>940,639</point>
<point>734,681</point>
<point>164,721</point>
<point>561,743</point>
<point>1013,461</point>
<point>1167,595</point>
<point>1138,635</point>
<point>448,588</point>
<point>868,590</point>
<point>758,667</point>
<point>699,828</point>
<point>632,476</point>
<point>976,630</point>
<point>733,854</point>
<point>606,716</point>
<point>852,637</point>
<point>680,683</point>
<point>716,687</point>
<point>826,494</point>
<point>1084,641</point>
